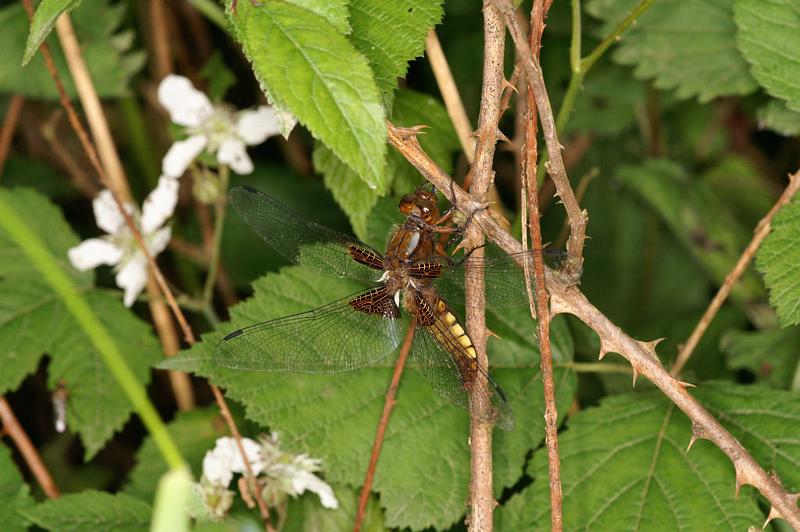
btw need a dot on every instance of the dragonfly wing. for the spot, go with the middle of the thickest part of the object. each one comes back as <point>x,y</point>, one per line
<point>315,246</point>
<point>443,362</point>
<point>348,334</point>
<point>503,274</point>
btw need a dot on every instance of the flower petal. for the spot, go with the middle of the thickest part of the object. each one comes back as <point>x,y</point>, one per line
<point>224,459</point>
<point>254,127</point>
<point>159,240</point>
<point>132,277</point>
<point>233,153</point>
<point>186,105</point>
<point>159,204</point>
<point>181,154</point>
<point>94,252</point>
<point>308,481</point>
<point>106,212</point>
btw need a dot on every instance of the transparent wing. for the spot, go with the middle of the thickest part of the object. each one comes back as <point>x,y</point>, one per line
<point>315,246</point>
<point>443,364</point>
<point>348,334</point>
<point>503,274</point>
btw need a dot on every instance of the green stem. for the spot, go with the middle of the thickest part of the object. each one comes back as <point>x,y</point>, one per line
<point>588,61</point>
<point>211,11</point>
<point>796,380</point>
<point>595,367</point>
<point>220,206</point>
<point>575,44</point>
<point>87,320</point>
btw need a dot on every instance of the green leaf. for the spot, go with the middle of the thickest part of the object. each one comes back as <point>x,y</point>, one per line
<point>439,141</point>
<point>334,12</point>
<point>34,321</point>
<point>109,56</point>
<point>334,416</point>
<point>14,495</point>
<point>390,34</point>
<point>90,511</point>
<point>688,46</point>
<point>43,21</point>
<point>309,67</point>
<point>195,432</point>
<point>218,76</point>
<point>306,514</point>
<point>700,222</point>
<point>624,466</point>
<point>769,38</point>
<point>779,260</point>
<point>777,116</point>
<point>772,356</point>
<point>737,183</point>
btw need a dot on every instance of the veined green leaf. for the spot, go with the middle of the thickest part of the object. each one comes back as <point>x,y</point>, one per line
<point>778,117</point>
<point>779,260</point>
<point>90,511</point>
<point>334,416</point>
<point>687,46</point>
<point>45,17</point>
<point>34,321</point>
<point>624,464</point>
<point>772,356</point>
<point>306,514</point>
<point>309,67</point>
<point>769,38</point>
<point>110,60</point>
<point>390,34</point>
<point>14,495</point>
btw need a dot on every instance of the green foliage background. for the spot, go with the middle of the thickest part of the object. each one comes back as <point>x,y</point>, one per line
<point>683,133</point>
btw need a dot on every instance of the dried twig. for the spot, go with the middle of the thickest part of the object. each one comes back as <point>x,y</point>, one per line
<point>567,298</point>
<point>555,166</point>
<point>760,233</point>
<point>388,406</point>
<point>542,310</point>
<point>9,125</point>
<point>481,495</point>
<point>92,153</point>
<point>29,453</point>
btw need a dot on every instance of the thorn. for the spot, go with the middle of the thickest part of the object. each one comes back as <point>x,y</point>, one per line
<point>490,332</point>
<point>604,350</point>
<point>501,136</point>
<point>635,374</point>
<point>692,441</point>
<point>741,480</point>
<point>650,347</point>
<point>507,85</point>
<point>687,384</point>
<point>773,513</point>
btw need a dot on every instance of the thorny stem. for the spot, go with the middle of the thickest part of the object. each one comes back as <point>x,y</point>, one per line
<point>29,453</point>
<point>91,153</point>
<point>388,406</point>
<point>541,308</point>
<point>567,298</point>
<point>762,230</point>
<point>555,167</point>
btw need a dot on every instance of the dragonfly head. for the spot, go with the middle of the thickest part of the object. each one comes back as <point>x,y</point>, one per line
<point>421,203</point>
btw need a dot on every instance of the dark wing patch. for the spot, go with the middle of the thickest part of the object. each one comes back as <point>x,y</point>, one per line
<point>329,339</point>
<point>378,301</point>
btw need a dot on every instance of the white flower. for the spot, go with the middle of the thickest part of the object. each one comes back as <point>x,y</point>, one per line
<point>119,247</point>
<point>224,460</point>
<point>216,129</point>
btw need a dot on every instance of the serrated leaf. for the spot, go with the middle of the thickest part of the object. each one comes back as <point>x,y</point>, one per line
<point>90,511</point>
<point>624,467</point>
<point>779,260</point>
<point>703,225</point>
<point>194,431</point>
<point>777,116</point>
<point>334,416</point>
<point>14,495</point>
<point>772,356</point>
<point>309,67</point>
<point>769,38</point>
<point>439,141</point>
<point>110,67</point>
<point>33,321</point>
<point>687,46</point>
<point>390,34</point>
<point>334,11</point>
<point>306,514</point>
<point>47,12</point>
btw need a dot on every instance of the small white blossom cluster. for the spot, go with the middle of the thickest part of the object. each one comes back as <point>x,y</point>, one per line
<point>279,474</point>
<point>216,129</point>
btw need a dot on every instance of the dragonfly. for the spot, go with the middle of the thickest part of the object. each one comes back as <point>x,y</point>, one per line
<point>415,274</point>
